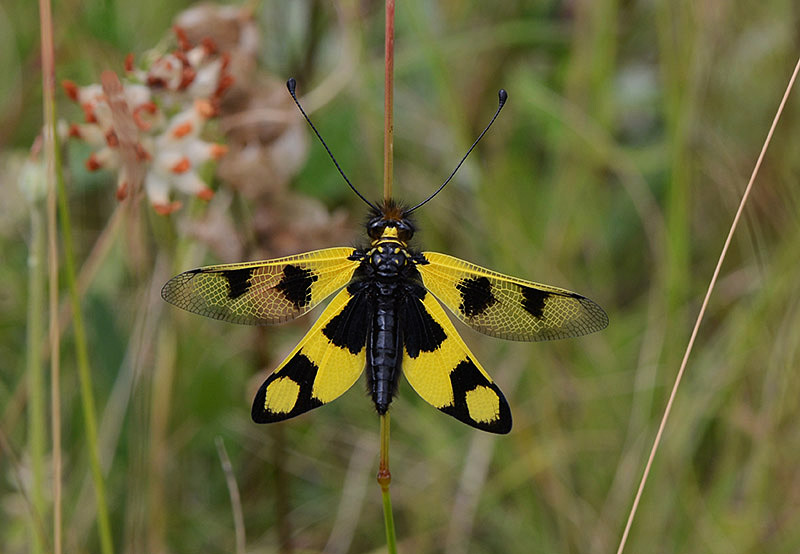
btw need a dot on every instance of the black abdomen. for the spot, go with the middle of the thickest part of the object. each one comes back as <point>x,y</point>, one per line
<point>384,349</point>
<point>388,271</point>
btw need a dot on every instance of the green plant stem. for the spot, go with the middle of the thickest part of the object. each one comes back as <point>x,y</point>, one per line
<point>50,156</point>
<point>677,51</point>
<point>84,373</point>
<point>82,359</point>
<point>36,388</point>
<point>388,113</point>
<point>233,492</point>
<point>163,379</point>
<point>384,480</point>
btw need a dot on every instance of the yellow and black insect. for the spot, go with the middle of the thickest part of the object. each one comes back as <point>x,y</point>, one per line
<point>386,318</point>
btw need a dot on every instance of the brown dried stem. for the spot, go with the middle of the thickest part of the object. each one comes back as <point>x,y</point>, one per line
<point>388,117</point>
<point>699,320</point>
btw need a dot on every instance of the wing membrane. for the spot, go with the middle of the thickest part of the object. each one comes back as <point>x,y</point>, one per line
<point>442,370</point>
<point>322,367</point>
<point>506,307</point>
<point>262,293</point>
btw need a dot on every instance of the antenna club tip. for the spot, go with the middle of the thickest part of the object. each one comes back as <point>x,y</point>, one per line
<point>291,84</point>
<point>502,95</point>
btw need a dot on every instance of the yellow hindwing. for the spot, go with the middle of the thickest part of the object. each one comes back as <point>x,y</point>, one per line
<point>442,370</point>
<point>322,366</point>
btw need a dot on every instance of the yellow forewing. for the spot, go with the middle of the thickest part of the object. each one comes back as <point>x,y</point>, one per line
<point>506,307</point>
<point>446,375</point>
<point>320,369</point>
<point>262,293</point>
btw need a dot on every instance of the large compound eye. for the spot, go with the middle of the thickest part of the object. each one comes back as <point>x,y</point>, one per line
<point>375,228</point>
<point>404,230</point>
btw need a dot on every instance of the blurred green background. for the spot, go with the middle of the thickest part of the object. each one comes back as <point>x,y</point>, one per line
<point>614,170</point>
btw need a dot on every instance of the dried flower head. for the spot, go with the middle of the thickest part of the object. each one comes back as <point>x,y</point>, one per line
<point>233,29</point>
<point>147,127</point>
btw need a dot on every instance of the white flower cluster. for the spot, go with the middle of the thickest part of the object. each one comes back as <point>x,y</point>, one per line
<point>159,114</point>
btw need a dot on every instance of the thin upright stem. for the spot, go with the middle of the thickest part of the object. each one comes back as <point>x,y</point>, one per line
<point>384,480</point>
<point>233,492</point>
<point>388,117</point>
<point>84,370</point>
<point>57,195</point>
<point>698,321</point>
<point>37,430</point>
<point>384,475</point>
<point>48,94</point>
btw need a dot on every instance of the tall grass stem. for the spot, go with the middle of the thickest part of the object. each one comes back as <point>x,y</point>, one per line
<point>57,194</point>
<point>700,315</point>
<point>50,150</point>
<point>384,475</point>
<point>385,480</point>
<point>233,492</point>
<point>37,426</point>
<point>388,108</point>
<point>84,369</point>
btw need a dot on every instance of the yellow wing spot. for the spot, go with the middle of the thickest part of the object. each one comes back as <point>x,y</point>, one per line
<point>281,395</point>
<point>483,404</point>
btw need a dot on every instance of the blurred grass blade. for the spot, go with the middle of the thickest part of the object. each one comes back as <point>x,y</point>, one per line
<point>37,427</point>
<point>56,179</point>
<point>233,492</point>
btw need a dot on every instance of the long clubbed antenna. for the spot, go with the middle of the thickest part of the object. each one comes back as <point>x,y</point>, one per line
<point>291,84</point>
<point>503,96</point>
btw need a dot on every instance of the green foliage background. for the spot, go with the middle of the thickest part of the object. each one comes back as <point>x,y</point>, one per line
<point>614,170</point>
